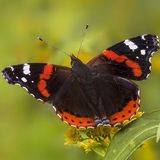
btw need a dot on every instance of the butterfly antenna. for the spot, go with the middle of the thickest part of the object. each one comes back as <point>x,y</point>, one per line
<point>41,39</point>
<point>54,47</point>
<point>84,35</point>
<point>61,50</point>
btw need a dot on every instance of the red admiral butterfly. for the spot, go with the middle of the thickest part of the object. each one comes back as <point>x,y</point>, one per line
<point>97,93</point>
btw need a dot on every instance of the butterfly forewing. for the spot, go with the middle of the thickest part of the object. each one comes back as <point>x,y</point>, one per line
<point>130,58</point>
<point>41,80</point>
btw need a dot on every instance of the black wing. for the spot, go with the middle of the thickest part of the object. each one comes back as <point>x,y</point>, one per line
<point>41,80</point>
<point>53,84</point>
<point>116,100</point>
<point>73,103</point>
<point>130,59</point>
<point>120,98</point>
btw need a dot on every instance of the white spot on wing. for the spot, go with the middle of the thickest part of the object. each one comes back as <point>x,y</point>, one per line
<point>139,101</point>
<point>117,124</point>
<point>130,44</point>
<point>26,69</point>
<point>91,127</point>
<point>132,116</point>
<point>40,99</point>
<point>73,126</point>
<point>24,79</point>
<point>12,69</point>
<point>125,121</point>
<point>137,109</point>
<point>66,122</point>
<point>157,38</point>
<point>32,95</point>
<point>143,37</point>
<point>157,41</point>
<point>25,88</point>
<point>105,125</point>
<point>152,53</point>
<point>59,116</point>
<point>54,108</point>
<point>99,124</point>
<point>147,75</point>
<point>139,92</point>
<point>143,52</point>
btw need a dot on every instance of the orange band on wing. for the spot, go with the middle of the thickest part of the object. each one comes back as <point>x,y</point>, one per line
<point>121,58</point>
<point>77,121</point>
<point>42,88</point>
<point>48,69</point>
<point>46,75</point>
<point>128,111</point>
<point>135,67</point>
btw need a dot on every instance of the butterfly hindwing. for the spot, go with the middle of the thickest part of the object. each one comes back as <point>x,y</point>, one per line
<point>110,100</point>
<point>118,98</point>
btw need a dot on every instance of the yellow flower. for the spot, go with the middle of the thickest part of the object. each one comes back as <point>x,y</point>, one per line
<point>97,139</point>
<point>72,136</point>
<point>88,145</point>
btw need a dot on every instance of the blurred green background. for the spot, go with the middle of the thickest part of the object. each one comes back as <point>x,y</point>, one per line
<point>30,130</point>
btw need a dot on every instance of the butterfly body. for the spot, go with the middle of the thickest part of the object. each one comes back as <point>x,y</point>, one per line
<point>100,92</point>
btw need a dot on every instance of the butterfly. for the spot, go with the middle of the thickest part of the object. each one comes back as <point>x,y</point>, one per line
<point>100,92</point>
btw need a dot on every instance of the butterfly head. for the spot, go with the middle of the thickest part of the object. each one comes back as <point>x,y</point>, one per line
<point>79,69</point>
<point>76,63</point>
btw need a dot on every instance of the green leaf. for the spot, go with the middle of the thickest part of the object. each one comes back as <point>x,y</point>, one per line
<point>133,135</point>
<point>100,150</point>
<point>158,134</point>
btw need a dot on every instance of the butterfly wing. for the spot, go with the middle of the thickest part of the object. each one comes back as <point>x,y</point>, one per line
<point>41,80</point>
<point>112,101</point>
<point>73,101</point>
<point>130,59</point>
<point>119,97</point>
<point>53,84</point>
